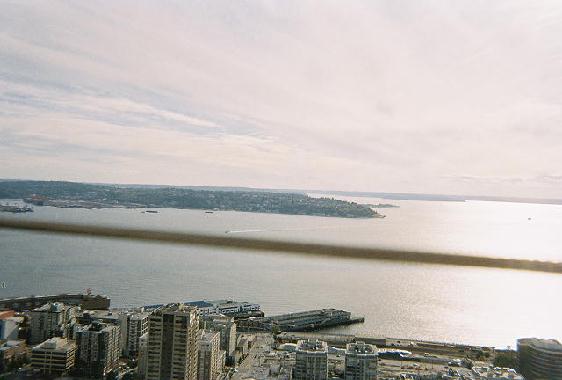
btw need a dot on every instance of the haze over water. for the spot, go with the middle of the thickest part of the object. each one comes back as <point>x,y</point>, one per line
<point>471,305</point>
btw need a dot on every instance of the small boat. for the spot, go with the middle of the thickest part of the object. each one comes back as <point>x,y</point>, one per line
<point>209,212</point>
<point>151,211</point>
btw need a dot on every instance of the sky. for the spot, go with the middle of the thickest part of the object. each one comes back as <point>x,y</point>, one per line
<point>449,97</point>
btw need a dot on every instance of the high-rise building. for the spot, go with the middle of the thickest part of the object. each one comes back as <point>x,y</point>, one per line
<point>52,320</point>
<point>311,360</point>
<point>116,318</point>
<point>227,328</point>
<point>55,356</point>
<point>540,358</point>
<point>173,333</point>
<point>137,326</point>
<point>210,359</point>
<point>142,361</point>
<point>361,361</point>
<point>97,349</point>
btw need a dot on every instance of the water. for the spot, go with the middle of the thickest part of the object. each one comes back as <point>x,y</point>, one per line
<point>470,305</point>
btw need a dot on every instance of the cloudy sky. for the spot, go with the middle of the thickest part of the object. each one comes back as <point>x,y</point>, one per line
<point>457,97</point>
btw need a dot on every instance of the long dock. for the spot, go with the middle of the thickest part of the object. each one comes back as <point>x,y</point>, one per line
<point>86,301</point>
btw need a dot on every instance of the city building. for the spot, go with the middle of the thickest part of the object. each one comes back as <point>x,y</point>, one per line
<point>52,320</point>
<point>495,373</point>
<point>9,328</point>
<point>224,307</point>
<point>361,361</point>
<point>142,360</point>
<point>55,356</point>
<point>311,360</point>
<point>539,358</point>
<point>227,329</point>
<point>173,333</point>
<point>97,349</point>
<point>137,326</point>
<point>116,318</point>
<point>210,356</point>
<point>12,353</point>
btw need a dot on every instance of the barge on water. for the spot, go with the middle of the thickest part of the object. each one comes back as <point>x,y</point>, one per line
<point>311,320</point>
<point>15,209</point>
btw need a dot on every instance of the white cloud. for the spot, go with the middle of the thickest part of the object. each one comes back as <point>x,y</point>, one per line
<point>382,96</point>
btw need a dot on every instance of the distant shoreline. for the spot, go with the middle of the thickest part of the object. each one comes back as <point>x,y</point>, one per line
<point>362,194</point>
<point>80,195</point>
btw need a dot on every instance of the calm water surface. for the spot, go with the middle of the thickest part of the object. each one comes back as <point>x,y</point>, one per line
<point>471,305</point>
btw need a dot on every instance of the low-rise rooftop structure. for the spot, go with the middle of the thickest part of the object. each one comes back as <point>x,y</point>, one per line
<point>495,373</point>
<point>55,356</point>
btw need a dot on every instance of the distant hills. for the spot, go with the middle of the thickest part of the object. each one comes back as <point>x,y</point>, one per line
<point>81,195</point>
<point>380,195</point>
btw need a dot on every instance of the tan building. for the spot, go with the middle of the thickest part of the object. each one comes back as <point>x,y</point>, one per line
<point>311,360</point>
<point>210,356</point>
<point>227,328</point>
<point>173,333</point>
<point>54,356</point>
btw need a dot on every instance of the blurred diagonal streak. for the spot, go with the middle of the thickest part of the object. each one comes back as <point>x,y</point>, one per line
<point>266,245</point>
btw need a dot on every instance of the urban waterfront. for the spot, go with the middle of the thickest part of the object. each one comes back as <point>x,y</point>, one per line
<point>466,305</point>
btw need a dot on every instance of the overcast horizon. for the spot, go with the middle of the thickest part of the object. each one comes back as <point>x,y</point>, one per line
<point>431,97</point>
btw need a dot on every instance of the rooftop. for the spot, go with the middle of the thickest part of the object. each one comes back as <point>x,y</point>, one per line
<point>309,345</point>
<point>10,343</point>
<point>56,307</point>
<point>175,308</point>
<point>59,344</point>
<point>361,348</point>
<point>545,344</point>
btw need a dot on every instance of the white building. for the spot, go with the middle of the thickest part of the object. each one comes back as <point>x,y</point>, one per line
<point>224,307</point>
<point>142,356</point>
<point>361,361</point>
<point>311,360</point>
<point>137,326</point>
